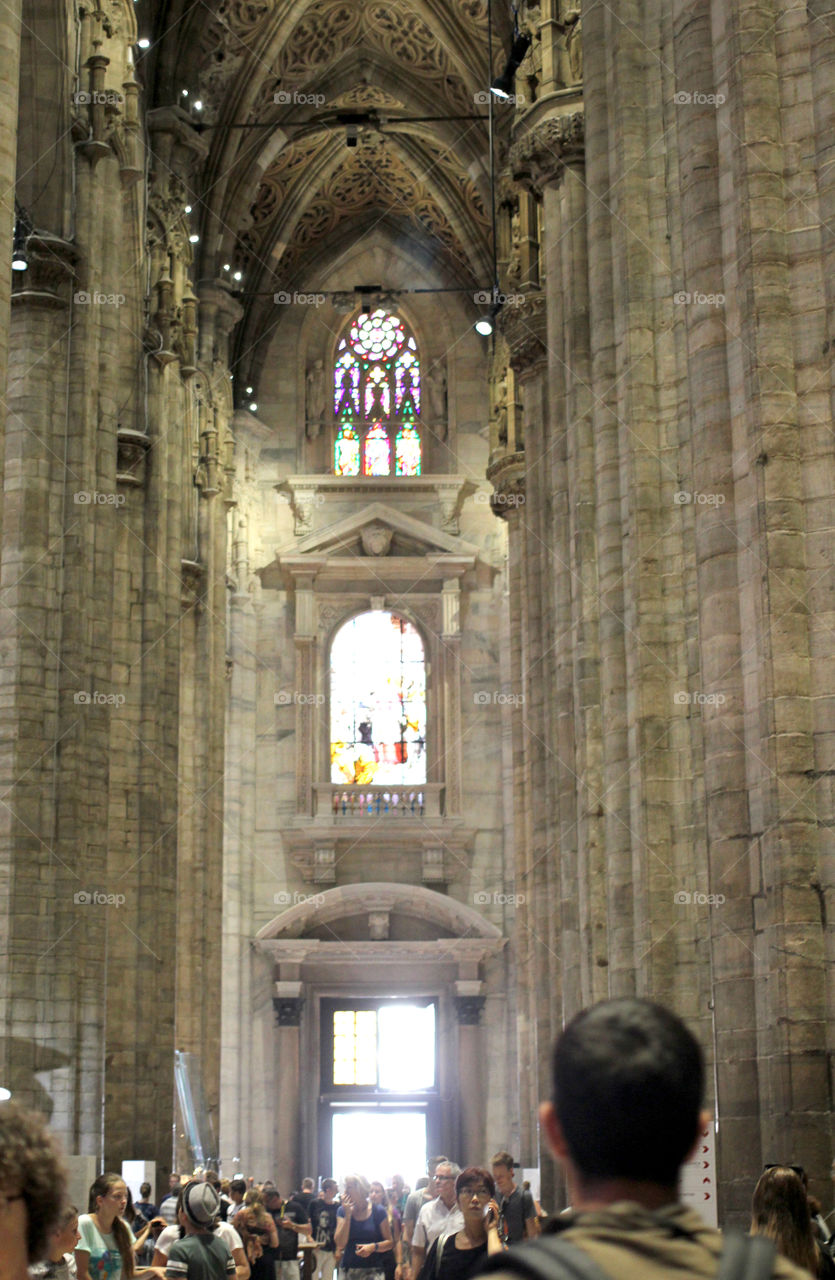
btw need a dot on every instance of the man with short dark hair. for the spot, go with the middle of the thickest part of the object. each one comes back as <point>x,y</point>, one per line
<point>168,1204</point>
<point>291,1221</point>
<point>517,1212</point>
<point>425,1190</point>
<point>237,1191</point>
<point>625,1116</point>
<point>323,1210</point>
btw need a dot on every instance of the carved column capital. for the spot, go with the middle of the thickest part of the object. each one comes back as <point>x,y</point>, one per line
<point>524,328</point>
<point>507,475</point>
<point>51,272</point>
<point>540,154</point>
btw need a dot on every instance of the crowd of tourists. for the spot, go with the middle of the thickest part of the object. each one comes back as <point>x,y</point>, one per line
<point>624,1117</point>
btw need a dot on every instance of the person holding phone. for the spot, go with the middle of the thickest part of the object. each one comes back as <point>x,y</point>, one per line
<point>458,1255</point>
<point>362,1232</point>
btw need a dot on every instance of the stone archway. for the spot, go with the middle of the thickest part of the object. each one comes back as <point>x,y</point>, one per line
<point>378,939</point>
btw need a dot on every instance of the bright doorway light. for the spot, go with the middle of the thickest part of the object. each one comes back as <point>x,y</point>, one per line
<point>406,1047</point>
<point>379,1144</point>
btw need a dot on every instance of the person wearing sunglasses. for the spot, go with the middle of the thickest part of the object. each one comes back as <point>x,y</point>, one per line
<point>458,1255</point>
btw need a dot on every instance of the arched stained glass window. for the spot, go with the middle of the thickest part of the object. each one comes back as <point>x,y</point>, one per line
<point>376,398</point>
<point>378,701</point>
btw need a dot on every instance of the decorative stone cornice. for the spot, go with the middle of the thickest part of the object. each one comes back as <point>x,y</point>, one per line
<point>132,449</point>
<point>507,476</point>
<point>50,274</point>
<point>524,329</point>
<point>539,156</point>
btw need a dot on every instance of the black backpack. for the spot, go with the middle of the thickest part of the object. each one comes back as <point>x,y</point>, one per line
<point>552,1258</point>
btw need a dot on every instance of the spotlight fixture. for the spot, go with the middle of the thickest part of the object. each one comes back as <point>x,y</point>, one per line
<point>5,1094</point>
<point>484,326</point>
<point>187,209</point>
<point>198,105</point>
<point>237,275</point>
<point>144,43</point>
<point>185,93</point>
<point>23,228</point>
<point>253,408</point>
<point>352,121</point>
<point>194,238</point>
<point>502,86</point>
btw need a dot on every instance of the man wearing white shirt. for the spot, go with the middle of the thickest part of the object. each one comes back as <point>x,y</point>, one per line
<point>441,1215</point>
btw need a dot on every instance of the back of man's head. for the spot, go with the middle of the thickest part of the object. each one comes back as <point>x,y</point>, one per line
<point>628,1080</point>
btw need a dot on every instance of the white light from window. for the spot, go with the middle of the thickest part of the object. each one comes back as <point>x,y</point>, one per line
<point>406,1047</point>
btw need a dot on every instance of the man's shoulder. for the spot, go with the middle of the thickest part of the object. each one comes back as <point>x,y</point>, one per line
<point>627,1242</point>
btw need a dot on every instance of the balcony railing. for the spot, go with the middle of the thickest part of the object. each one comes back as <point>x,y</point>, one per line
<point>407,803</point>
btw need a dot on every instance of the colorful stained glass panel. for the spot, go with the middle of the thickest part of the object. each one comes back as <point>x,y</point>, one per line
<point>378,702</point>
<point>376,458</point>
<point>407,452</point>
<point>346,460</point>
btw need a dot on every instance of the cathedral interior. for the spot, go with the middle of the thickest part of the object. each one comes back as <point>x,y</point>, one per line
<point>417,573</point>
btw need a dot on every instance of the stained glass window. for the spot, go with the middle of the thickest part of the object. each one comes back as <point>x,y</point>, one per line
<point>355,1046</point>
<point>387,1047</point>
<point>347,452</point>
<point>378,702</point>
<point>407,452</point>
<point>377,398</point>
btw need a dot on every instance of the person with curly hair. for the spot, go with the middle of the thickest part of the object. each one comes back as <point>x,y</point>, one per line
<point>33,1189</point>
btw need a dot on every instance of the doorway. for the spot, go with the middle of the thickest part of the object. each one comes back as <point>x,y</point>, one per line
<point>379,1098</point>
<point>378,1142</point>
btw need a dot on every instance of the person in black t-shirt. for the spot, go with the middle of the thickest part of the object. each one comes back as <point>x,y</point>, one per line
<point>458,1255</point>
<point>518,1218</point>
<point>323,1212</point>
<point>291,1222</point>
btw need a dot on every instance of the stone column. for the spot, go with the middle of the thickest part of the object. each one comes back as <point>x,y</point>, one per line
<point>288,1003</point>
<point>469,1004</point>
<point>712,530</point>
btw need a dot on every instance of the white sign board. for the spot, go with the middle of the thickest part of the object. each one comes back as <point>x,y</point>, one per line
<point>135,1172</point>
<point>698,1177</point>
<point>82,1172</point>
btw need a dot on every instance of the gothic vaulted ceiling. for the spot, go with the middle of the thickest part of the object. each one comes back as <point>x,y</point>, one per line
<point>280,83</point>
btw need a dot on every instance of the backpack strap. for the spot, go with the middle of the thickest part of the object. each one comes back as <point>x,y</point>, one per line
<point>546,1258</point>
<point>746,1257</point>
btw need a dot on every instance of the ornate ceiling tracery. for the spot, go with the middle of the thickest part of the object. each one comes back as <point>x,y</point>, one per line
<point>279,187</point>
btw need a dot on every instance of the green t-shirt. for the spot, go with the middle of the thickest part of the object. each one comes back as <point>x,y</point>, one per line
<point>200,1257</point>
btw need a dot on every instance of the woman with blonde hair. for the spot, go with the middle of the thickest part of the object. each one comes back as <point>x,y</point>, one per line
<point>362,1232</point>
<point>780,1210</point>
<point>258,1231</point>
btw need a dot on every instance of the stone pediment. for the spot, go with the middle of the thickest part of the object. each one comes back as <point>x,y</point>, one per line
<point>355,535</point>
<point>380,543</point>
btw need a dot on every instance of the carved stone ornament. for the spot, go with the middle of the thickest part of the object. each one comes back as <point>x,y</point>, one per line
<point>540,155</point>
<point>288,1010</point>
<point>468,1010</point>
<point>524,328</point>
<point>376,539</point>
<point>132,448</point>
<point>507,475</point>
<point>50,274</point>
